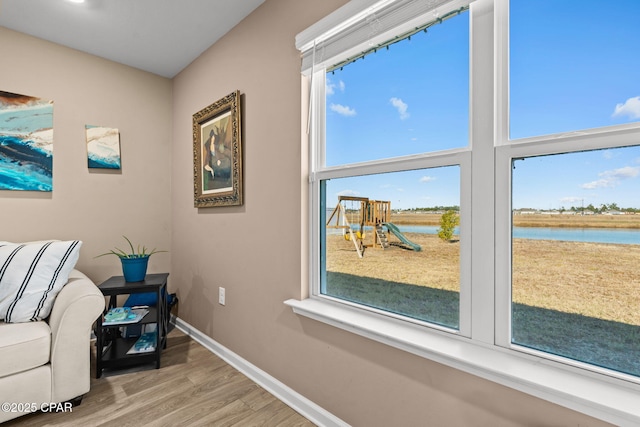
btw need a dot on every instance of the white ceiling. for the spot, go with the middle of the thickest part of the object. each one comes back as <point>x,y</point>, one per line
<point>160,36</point>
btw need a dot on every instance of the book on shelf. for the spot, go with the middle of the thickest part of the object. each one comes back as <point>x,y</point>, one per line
<point>145,344</point>
<point>123,316</point>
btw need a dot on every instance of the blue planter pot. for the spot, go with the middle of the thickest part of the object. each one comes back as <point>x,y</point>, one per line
<point>134,269</point>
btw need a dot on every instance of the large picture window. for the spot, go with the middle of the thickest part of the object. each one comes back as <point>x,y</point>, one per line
<point>575,253</point>
<point>576,212</point>
<point>410,99</point>
<point>474,189</point>
<point>386,254</point>
<point>390,239</point>
<point>578,71</point>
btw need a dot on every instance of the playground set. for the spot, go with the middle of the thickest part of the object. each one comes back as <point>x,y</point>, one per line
<point>353,215</point>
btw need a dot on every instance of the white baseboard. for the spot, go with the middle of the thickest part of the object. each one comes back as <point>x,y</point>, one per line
<point>298,402</point>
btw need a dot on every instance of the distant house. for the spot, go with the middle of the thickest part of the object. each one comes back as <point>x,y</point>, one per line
<point>525,212</point>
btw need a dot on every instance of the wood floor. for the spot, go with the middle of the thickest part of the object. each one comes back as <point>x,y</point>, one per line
<point>193,387</point>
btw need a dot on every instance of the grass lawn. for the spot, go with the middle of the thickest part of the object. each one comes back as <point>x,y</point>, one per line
<point>420,302</point>
<point>578,300</point>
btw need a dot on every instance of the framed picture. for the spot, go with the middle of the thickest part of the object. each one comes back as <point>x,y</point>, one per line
<point>103,147</point>
<point>26,143</point>
<point>217,153</point>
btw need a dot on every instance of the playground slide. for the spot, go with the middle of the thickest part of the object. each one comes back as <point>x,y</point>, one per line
<point>393,229</point>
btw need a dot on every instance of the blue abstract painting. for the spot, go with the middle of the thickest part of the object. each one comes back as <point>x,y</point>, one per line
<point>26,143</point>
<point>103,147</point>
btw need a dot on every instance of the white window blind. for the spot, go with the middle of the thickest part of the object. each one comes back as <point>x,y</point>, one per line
<point>363,25</point>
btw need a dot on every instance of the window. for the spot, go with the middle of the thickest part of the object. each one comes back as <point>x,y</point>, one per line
<point>396,136</point>
<point>411,98</point>
<point>575,251</point>
<point>524,132</point>
<point>392,259</point>
<point>569,78</point>
<point>575,225</point>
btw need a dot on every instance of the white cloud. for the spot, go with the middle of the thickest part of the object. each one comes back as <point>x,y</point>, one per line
<point>427,179</point>
<point>613,177</point>
<point>331,87</point>
<point>630,108</point>
<point>343,110</point>
<point>401,107</point>
<point>622,173</point>
<point>596,184</point>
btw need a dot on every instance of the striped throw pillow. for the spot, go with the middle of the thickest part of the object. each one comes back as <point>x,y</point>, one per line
<point>31,275</point>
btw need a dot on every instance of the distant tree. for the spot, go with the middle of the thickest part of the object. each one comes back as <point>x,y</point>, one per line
<point>613,207</point>
<point>437,208</point>
<point>448,222</point>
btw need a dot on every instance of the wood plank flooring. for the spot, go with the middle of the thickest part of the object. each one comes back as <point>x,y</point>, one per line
<point>193,387</point>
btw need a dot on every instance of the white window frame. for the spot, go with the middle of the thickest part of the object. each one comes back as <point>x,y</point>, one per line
<point>509,149</point>
<point>319,172</point>
<point>482,346</point>
<point>456,157</point>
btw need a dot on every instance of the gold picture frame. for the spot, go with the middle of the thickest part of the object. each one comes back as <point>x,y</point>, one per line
<point>217,154</point>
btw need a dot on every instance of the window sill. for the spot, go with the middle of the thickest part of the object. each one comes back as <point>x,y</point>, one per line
<point>608,399</point>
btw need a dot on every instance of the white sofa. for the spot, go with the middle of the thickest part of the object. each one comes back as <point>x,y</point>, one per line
<point>48,361</point>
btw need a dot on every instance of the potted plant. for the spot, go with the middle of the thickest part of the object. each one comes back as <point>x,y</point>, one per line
<point>134,263</point>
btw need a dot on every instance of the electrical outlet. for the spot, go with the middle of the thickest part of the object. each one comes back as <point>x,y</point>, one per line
<point>221,295</point>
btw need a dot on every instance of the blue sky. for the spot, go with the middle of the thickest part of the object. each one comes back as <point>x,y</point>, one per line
<point>577,71</point>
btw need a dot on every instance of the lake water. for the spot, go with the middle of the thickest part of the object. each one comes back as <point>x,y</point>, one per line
<point>598,235</point>
<point>624,236</point>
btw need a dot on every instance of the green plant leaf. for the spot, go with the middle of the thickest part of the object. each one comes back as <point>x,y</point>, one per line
<point>134,254</point>
<point>133,251</point>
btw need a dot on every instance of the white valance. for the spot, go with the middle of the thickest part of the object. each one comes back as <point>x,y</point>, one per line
<point>361,25</point>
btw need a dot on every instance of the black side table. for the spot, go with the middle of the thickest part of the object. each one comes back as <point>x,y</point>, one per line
<point>111,349</point>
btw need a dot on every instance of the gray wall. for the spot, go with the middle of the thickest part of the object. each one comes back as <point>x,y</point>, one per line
<point>94,206</point>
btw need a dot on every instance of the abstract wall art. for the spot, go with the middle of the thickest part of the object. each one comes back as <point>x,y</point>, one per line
<point>26,143</point>
<point>103,147</point>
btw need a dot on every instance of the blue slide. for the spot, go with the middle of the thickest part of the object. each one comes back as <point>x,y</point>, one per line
<point>396,231</point>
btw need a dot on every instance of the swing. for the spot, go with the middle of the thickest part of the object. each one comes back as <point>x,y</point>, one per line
<point>345,234</point>
<point>347,231</point>
<point>360,234</point>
